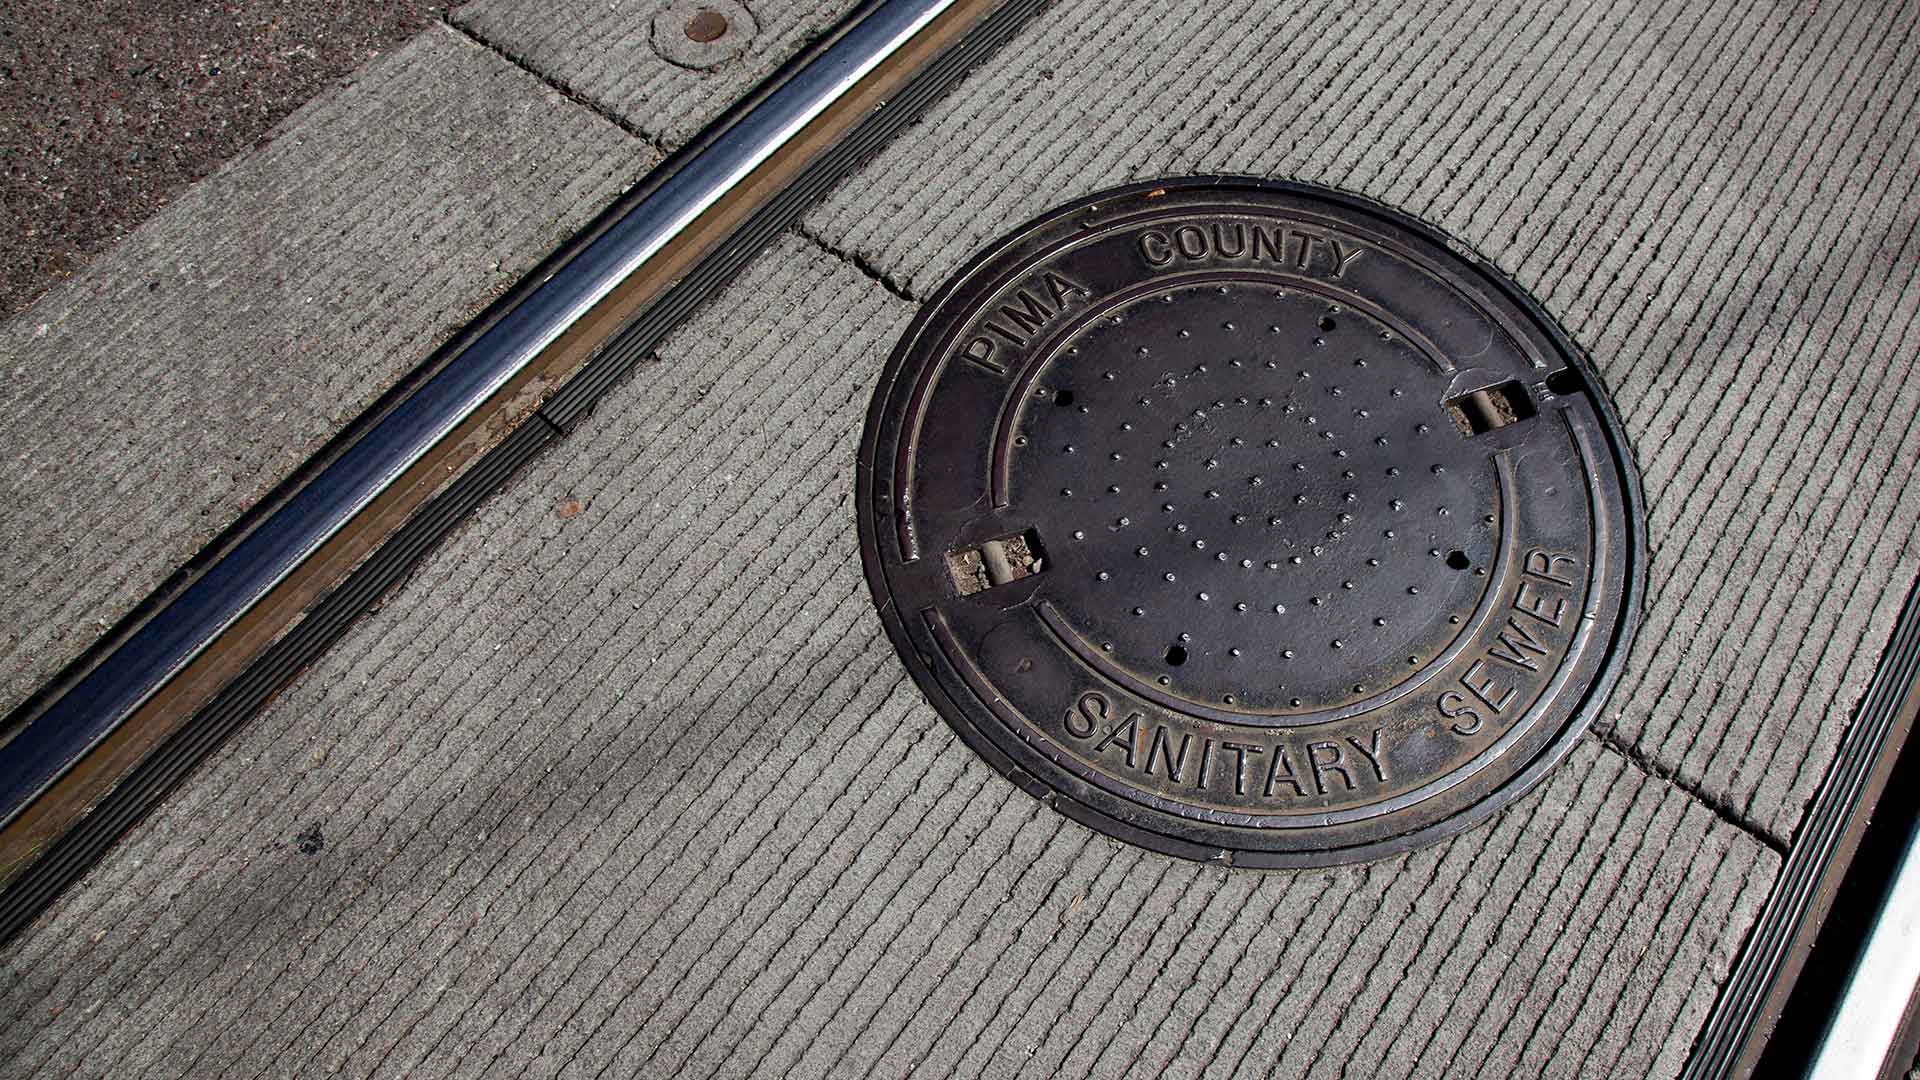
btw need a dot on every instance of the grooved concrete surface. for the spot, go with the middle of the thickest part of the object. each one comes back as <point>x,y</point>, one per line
<point>608,54</point>
<point>626,781</point>
<point>151,399</point>
<point>1716,201</point>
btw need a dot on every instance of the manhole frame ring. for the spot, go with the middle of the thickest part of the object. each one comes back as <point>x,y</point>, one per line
<point>1580,717</point>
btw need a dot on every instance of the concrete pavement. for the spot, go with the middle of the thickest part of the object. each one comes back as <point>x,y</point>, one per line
<point>627,780</point>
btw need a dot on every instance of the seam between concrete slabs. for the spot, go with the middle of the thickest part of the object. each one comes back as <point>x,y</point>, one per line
<point>1719,808</point>
<point>551,83</point>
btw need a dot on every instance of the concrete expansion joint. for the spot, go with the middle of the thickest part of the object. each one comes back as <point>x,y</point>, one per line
<point>1721,808</point>
<point>866,269</point>
<point>556,85</point>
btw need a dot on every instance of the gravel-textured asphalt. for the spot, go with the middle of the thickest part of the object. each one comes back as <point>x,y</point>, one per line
<point>110,107</point>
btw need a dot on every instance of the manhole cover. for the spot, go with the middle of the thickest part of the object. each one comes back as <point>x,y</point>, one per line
<point>1246,521</point>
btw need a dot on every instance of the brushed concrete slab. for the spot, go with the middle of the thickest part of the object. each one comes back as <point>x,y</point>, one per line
<point>1717,202</point>
<point>618,57</point>
<point>627,781</point>
<point>149,400</point>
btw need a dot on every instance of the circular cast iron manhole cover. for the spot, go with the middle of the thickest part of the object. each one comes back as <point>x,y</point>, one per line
<point>1247,521</point>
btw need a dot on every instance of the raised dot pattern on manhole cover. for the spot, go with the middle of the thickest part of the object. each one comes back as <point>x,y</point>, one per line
<point>1246,521</point>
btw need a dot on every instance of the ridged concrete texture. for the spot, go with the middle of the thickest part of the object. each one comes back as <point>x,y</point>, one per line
<point>151,399</point>
<point>626,781</point>
<point>606,52</point>
<point>1717,202</point>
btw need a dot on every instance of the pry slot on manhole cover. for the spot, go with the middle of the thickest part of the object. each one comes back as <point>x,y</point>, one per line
<point>1248,521</point>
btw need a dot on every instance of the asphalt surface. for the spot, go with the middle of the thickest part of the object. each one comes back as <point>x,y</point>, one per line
<point>109,108</point>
